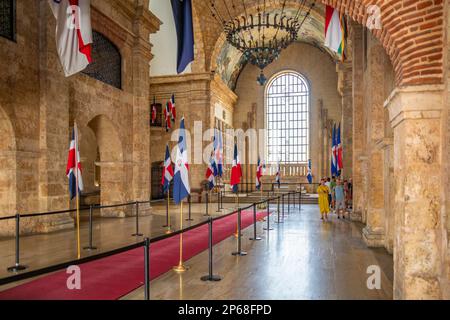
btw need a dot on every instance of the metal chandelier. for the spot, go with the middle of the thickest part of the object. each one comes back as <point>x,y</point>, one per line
<point>262,36</point>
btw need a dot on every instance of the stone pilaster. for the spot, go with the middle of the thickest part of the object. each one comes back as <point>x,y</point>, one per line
<point>347,117</point>
<point>374,233</point>
<point>358,122</point>
<point>416,116</point>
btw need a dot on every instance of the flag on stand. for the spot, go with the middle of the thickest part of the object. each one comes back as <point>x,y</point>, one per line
<point>181,187</point>
<point>167,117</point>
<point>218,153</point>
<point>182,12</point>
<point>73,34</point>
<point>74,169</point>
<point>172,108</point>
<point>310,176</point>
<point>210,173</point>
<point>259,174</point>
<point>334,165</point>
<point>335,31</point>
<point>340,152</point>
<point>236,171</point>
<point>167,176</point>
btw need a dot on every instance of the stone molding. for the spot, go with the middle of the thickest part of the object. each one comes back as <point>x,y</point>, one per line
<point>415,102</point>
<point>384,143</point>
<point>373,238</point>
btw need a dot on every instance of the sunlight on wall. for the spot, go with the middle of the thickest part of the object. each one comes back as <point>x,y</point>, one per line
<point>164,41</point>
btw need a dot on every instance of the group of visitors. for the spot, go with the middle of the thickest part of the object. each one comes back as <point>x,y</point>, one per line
<point>335,195</point>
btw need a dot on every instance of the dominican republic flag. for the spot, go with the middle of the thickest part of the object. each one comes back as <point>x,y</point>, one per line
<point>210,173</point>
<point>73,170</point>
<point>340,151</point>
<point>278,175</point>
<point>218,153</point>
<point>310,176</point>
<point>73,34</point>
<point>167,176</point>
<point>167,117</point>
<point>181,188</point>
<point>172,108</point>
<point>154,111</point>
<point>259,174</point>
<point>182,12</point>
<point>334,164</point>
<point>335,31</point>
<point>236,171</point>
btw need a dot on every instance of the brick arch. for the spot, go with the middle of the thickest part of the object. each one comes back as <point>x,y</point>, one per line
<point>412,34</point>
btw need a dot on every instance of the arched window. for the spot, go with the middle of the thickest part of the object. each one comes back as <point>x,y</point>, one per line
<point>107,61</point>
<point>8,19</point>
<point>287,119</point>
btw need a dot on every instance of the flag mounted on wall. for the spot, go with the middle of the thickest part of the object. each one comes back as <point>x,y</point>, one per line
<point>73,34</point>
<point>182,12</point>
<point>167,117</point>
<point>335,31</point>
<point>172,108</point>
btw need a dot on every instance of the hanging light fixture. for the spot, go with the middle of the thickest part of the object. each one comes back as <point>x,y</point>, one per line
<point>262,36</point>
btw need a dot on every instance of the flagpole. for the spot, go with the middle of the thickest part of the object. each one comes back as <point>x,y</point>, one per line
<point>77,192</point>
<point>181,267</point>
<point>169,226</point>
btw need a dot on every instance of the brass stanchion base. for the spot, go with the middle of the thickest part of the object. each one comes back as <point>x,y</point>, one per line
<point>180,268</point>
<point>211,278</point>
<point>240,254</point>
<point>169,231</point>
<point>17,268</point>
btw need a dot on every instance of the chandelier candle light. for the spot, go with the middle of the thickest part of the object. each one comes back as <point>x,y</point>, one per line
<point>261,36</point>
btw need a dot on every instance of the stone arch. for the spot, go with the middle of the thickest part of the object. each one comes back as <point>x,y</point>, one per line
<point>8,181</point>
<point>412,35</point>
<point>103,153</point>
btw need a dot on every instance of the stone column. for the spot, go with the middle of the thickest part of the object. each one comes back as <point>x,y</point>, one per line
<point>416,114</point>
<point>358,122</point>
<point>347,117</point>
<point>143,25</point>
<point>374,232</point>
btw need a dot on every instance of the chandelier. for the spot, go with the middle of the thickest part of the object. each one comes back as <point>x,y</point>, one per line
<point>261,36</point>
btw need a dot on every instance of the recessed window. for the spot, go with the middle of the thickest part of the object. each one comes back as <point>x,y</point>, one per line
<point>8,19</point>
<point>107,61</point>
<point>287,114</point>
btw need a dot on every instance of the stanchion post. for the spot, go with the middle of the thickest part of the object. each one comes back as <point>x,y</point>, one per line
<point>278,211</point>
<point>289,203</point>
<point>91,218</point>
<point>147,269</point>
<point>268,228</point>
<point>300,200</point>
<point>207,204</point>
<point>190,209</point>
<point>239,251</point>
<point>255,236</point>
<point>137,234</point>
<point>17,267</point>
<point>210,276</point>
<point>282,206</point>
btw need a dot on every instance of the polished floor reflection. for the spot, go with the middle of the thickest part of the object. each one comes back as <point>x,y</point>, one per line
<point>302,259</point>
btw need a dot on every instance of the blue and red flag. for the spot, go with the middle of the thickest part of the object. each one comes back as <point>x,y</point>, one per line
<point>73,170</point>
<point>236,171</point>
<point>210,174</point>
<point>181,187</point>
<point>172,108</point>
<point>259,174</point>
<point>218,153</point>
<point>334,164</point>
<point>182,12</point>
<point>340,152</point>
<point>167,176</point>
<point>167,117</point>
<point>310,176</point>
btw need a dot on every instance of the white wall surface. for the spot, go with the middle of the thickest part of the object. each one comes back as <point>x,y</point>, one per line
<point>164,41</point>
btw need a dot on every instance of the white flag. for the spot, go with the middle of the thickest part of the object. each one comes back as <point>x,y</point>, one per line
<point>73,34</point>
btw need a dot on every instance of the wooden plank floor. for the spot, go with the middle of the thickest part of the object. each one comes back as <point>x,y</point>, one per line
<point>302,259</point>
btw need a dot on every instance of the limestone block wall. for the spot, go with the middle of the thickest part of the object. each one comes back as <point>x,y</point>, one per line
<point>38,107</point>
<point>319,69</point>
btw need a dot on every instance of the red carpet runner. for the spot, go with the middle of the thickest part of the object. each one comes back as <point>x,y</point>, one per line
<point>114,277</point>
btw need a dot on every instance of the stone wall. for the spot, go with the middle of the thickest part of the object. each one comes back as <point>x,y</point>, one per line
<point>41,105</point>
<point>320,71</point>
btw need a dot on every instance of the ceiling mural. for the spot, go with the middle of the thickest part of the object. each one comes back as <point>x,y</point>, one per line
<point>230,61</point>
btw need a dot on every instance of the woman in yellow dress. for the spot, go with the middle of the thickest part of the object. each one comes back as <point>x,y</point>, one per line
<point>324,205</point>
